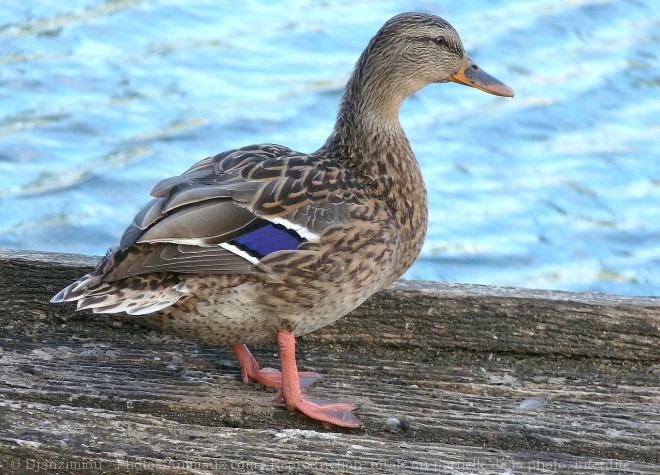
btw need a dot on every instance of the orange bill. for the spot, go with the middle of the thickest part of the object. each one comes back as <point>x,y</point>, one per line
<point>472,75</point>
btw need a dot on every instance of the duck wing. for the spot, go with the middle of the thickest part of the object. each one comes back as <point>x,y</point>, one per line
<point>227,212</point>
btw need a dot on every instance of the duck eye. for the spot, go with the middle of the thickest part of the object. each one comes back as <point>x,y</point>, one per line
<point>440,40</point>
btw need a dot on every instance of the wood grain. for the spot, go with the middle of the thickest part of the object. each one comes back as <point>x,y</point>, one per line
<point>448,379</point>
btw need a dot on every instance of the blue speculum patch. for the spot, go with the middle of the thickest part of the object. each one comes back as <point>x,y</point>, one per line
<point>267,239</point>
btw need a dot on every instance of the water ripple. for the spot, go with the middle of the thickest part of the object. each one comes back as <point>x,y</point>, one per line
<point>557,188</point>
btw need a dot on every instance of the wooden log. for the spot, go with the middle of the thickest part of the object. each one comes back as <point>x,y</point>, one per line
<point>448,379</point>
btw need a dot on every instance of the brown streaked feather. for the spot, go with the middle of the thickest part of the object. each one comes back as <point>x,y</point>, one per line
<point>181,258</point>
<point>217,198</point>
<point>204,223</point>
<point>135,295</point>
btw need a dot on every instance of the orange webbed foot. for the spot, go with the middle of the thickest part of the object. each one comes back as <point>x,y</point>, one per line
<point>270,377</point>
<point>339,414</point>
<point>290,383</point>
<point>336,413</point>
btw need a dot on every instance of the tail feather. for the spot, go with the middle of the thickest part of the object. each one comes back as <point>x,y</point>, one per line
<point>76,290</point>
<point>137,295</point>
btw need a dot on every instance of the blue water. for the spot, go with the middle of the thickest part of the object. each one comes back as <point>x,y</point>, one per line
<point>557,188</point>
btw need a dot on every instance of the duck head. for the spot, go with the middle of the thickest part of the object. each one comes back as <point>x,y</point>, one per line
<point>413,50</point>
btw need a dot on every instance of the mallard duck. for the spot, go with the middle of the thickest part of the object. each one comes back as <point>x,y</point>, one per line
<point>263,243</point>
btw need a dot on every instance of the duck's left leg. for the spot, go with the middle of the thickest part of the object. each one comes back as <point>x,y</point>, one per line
<point>267,376</point>
<point>338,414</point>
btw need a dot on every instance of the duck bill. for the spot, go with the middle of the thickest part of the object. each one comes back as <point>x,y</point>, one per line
<point>472,75</point>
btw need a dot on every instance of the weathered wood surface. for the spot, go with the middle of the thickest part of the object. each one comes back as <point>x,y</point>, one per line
<point>448,379</point>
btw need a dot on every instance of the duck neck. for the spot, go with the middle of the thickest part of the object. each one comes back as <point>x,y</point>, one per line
<point>368,140</point>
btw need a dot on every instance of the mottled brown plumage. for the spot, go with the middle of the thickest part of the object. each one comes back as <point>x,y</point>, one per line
<point>264,243</point>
